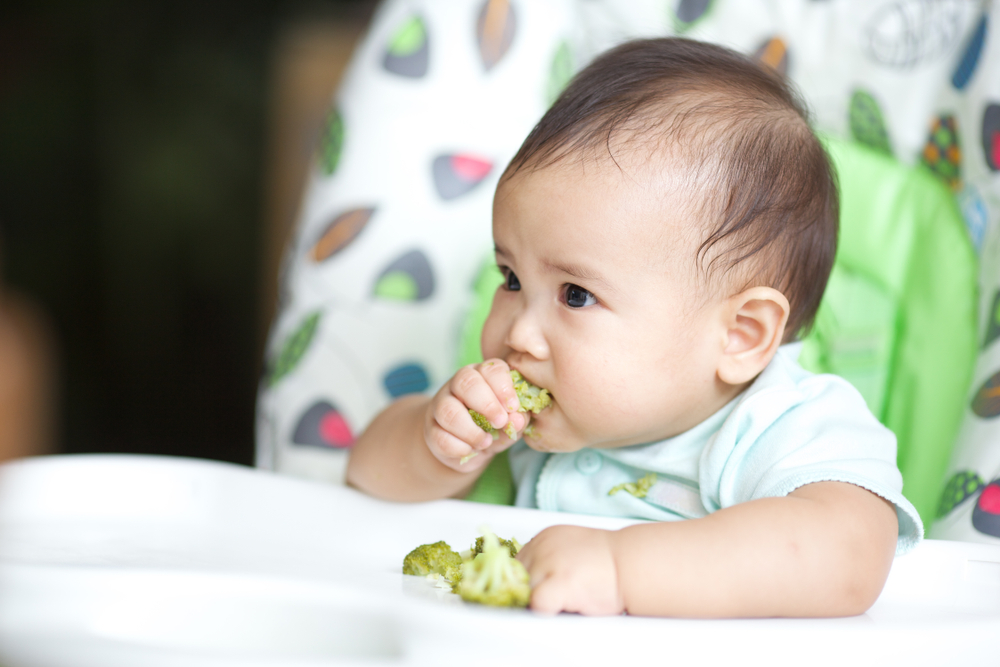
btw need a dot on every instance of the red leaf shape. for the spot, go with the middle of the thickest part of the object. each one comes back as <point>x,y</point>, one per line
<point>334,429</point>
<point>469,168</point>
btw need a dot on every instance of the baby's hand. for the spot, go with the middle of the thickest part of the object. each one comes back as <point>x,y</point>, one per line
<point>449,430</point>
<point>573,569</point>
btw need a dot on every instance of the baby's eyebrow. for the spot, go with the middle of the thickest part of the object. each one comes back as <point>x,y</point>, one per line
<point>581,272</point>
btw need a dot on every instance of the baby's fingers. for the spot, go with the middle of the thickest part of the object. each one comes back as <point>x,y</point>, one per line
<point>547,597</point>
<point>496,372</point>
<point>471,388</point>
<point>452,432</point>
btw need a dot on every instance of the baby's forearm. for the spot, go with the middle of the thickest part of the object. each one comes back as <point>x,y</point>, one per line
<point>391,460</point>
<point>825,550</point>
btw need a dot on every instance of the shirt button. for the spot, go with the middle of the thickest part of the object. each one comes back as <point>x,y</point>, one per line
<point>588,462</point>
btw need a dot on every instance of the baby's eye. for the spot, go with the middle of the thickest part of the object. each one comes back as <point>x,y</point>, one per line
<point>510,282</point>
<point>577,297</point>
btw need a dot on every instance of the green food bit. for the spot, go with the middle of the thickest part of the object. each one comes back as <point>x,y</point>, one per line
<point>532,398</point>
<point>639,488</point>
<point>493,577</point>
<point>434,559</point>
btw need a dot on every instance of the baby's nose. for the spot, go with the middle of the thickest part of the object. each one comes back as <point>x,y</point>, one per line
<point>527,336</point>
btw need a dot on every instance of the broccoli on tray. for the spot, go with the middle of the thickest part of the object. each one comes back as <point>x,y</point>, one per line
<point>436,559</point>
<point>490,574</point>
<point>512,545</point>
<point>494,577</point>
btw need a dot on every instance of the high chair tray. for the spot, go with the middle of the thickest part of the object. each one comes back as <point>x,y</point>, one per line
<point>129,561</point>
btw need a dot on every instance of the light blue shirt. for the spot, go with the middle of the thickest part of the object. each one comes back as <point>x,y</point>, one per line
<point>788,429</point>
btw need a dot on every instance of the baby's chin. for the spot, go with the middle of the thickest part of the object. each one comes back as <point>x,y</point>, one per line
<point>541,437</point>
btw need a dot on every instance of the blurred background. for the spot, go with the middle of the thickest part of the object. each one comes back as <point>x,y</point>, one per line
<point>152,155</point>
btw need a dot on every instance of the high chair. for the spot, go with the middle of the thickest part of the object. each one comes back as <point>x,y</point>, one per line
<point>127,560</point>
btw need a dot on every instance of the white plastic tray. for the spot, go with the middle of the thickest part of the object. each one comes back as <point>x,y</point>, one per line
<point>131,561</point>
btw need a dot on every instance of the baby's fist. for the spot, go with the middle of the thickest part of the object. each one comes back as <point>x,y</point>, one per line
<point>451,432</point>
<point>573,569</point>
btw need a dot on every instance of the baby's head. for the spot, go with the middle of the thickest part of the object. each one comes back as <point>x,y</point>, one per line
<point>669,222</point>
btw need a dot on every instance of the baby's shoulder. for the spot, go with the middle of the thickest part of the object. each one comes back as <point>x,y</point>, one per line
<point>788,407</point>
<point>786,382</point>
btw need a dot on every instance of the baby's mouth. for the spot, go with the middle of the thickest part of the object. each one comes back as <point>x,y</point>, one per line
<point>531,397</point>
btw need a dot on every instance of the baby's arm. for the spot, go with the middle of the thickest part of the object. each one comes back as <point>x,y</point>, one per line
<point>414,449</point>
<point>823,550</point>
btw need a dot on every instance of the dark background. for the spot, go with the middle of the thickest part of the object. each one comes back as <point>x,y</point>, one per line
<point>132,176</point>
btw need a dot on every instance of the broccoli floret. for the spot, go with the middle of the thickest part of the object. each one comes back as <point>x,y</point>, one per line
<point>481,421</point>
<point>494,577</point>
<point>639,488</point>
<point>532,398</point>
<point>431,559</point>
<point>512,545</point>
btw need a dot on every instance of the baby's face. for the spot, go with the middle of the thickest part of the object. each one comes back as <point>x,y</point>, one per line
<point>604,306</point>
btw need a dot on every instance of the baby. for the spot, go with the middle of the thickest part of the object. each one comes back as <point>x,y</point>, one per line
<point>669,223</point>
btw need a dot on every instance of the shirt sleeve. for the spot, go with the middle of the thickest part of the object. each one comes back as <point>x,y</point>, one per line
<point>794,428</point>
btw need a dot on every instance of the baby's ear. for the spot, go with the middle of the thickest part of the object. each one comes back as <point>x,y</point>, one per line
<point>755,323</point>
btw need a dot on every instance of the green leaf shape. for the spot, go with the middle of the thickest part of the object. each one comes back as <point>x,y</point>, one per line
<point>960,487</point>
<point>560,72</point>
<point>294,348</point>
<point>331,144</point>
<point>867,123</point>
<point>942,153</point>
<point>408,38</point>
<point>398,286</point>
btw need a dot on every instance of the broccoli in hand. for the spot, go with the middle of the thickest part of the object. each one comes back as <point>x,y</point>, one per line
<point>532,398</point>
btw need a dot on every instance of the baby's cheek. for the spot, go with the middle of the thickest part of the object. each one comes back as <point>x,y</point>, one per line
<point>491,339</point>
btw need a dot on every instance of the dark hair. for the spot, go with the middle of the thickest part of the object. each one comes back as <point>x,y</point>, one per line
<point>745,135</point>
